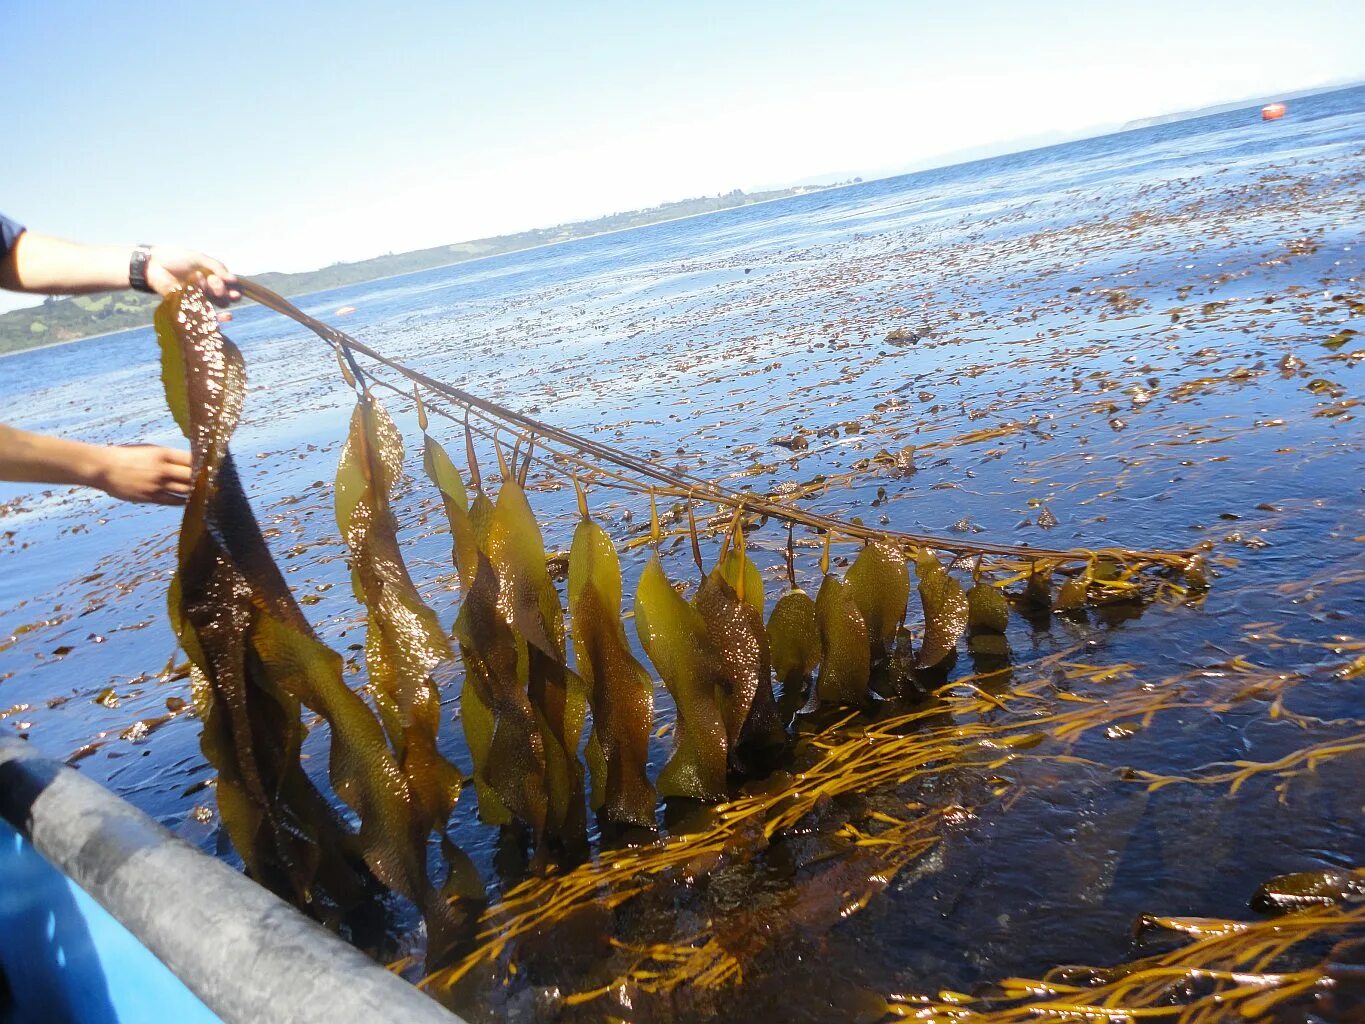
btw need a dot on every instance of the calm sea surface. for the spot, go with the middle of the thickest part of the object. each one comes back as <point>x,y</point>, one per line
<point>1145,316</point>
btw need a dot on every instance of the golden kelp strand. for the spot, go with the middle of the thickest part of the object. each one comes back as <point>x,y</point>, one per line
<point>251,733</point>
<point>853,757</point>
<point>674,635</point>
<point>404,641</point>
<point>1230,970</point>
<point>529,603</point>
<point>620,690</point>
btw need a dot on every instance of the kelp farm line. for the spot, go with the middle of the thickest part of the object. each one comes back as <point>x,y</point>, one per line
<point>256,663</point>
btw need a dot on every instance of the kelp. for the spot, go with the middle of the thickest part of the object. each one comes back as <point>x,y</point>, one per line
<point>945,610</point>
<point>794,646</point>
<point>529,604</point>
<point>966,728</point>
<point>524,708</point>
<point>734,623</point>
<point>225,597</point>
<point>675,637</point>
<point>468,532</point>
<point>404,641</point>
<point>254,658</point>
<point>621,691</point>
<point>879,585</point>
<point>1227,970</point>
<point>845,647</point>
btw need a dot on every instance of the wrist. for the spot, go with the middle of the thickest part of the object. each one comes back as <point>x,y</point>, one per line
<point>94,468</point>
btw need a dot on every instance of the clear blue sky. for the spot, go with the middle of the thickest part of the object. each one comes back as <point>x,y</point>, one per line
<point>289,135</point>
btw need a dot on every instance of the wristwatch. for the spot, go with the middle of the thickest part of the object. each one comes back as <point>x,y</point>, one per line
<point>137,269</point>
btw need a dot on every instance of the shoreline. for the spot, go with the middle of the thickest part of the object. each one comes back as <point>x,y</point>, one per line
<point>808,190</point>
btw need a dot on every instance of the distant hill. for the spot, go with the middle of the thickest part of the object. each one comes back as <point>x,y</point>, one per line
<point>1223,108</point>
<point>82,316</point>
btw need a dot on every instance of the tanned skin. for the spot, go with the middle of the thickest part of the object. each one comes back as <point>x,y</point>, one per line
<point>143,473</point>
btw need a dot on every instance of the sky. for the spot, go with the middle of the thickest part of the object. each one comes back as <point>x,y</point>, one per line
<point>286,135</point>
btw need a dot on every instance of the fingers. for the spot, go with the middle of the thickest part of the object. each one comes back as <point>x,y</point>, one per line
<point>220,281</point>
<point>149,474</point>
<point>164,498</point>
<point>177,474</point>
<point>216,289</point>
<point>170,268</point>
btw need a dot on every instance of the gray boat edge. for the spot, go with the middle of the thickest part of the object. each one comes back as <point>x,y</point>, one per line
<point>249,956</point>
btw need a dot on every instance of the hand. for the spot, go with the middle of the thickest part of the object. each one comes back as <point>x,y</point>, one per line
<point>143,472</point>
<point>168,268</point>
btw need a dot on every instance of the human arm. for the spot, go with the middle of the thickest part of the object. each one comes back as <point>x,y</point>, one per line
<point>143,472</point>
<point>41,263</point>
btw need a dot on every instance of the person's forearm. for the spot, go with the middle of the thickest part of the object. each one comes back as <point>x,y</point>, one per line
<point>39,459</point>
<point>41,263</point>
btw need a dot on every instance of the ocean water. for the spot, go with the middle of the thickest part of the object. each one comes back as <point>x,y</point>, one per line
<point>1143,315</point>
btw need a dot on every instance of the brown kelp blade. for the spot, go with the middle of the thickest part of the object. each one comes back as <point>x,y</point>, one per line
<point>284,655</point>
<point>530,605</point>
<point>621,691</point>
<point>404,640</point>
<point>845,650</point>
<point>736,628</point>
<point>674,636</point>
<point>945,610</point>
<point>504,734</point>
<point>251,729</point>
<point>794,644</point>
<point>878,582</point>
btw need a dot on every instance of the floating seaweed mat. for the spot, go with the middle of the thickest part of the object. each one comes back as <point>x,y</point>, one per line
<point>254,660</point>
<point>850,760</point>
<point>1227,970</point>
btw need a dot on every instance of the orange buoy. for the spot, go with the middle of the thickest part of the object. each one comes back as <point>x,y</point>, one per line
<point>1272,112</point>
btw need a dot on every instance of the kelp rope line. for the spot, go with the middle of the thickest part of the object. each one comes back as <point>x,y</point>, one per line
<point>593,455</point>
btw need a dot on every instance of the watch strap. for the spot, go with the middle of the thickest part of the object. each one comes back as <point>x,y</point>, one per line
<point>137,268</point>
